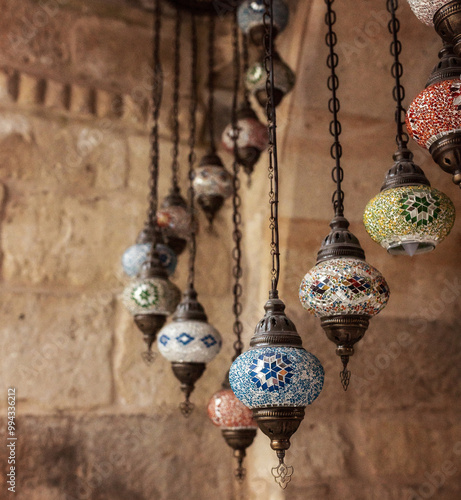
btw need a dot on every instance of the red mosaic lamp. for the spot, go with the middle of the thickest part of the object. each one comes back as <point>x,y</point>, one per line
<point>434,117</point>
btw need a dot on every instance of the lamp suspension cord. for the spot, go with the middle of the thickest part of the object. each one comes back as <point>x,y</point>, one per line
<point>246,66</point>
<point>157,90</point>
<point>211,41</point>
<point>192,156</point>
<point>336,151</point>
<point>272,149</point>
<point>176,83</point>
<point>236,200</point>
<point>397,71</point>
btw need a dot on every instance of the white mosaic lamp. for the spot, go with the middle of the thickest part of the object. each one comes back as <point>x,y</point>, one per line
<point>150,298</point>
<point>408,215</point>
<point>343,290</point>
<point>284,80</point>
<point>212,185</point>
<point>250,18</point>
<point>189,342</point>
<point>277,378</point>
<point>236,422</point>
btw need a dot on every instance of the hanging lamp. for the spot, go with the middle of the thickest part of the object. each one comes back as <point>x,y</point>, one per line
<point>212,183</point>
<point>276,378</point>
<point>408,215</point>
<point>151,297</point>
<point>224,409</point>
<point>252,134</point>
<point>434,117</point>
<point>444,15</point>
<point>342,288</point>
<point>173,218</point>
<point>250,19</point>
<point>189,342</point>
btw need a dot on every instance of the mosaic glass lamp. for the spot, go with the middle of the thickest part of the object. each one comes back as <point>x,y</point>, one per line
<point>150,298</point>
<point>250,18</point>
<point>174,220</point>
<point>284,80</point>
<point>434,117</point>
<point>277,378</point>
<point>252,138</point>
<point>408,215</point>
<point>189,342</point>
<point>236,422</point>
<point>343,290</point>
<point>212,185</point>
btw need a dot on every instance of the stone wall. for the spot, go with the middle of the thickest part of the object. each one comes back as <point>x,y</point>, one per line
<point>93,421</point>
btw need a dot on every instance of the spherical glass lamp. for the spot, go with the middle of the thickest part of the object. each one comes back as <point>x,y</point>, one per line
<point>150,298</point>
<point>277,378</point>
<point>189,342</point>
<point>236,422</point>
<point>174,220</point>
<point>343,290</point>
<point>408,215</point>
<point>284,80</point>
<point>135,256</point>
<point>252,138</point>
<point>212,185</point>
<point>250,17</point>
<point>425,10</point>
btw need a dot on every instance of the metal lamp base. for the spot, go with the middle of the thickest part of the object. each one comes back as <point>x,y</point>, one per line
<point>150,325</point>
<point>446,151</point>
<point>239,440</point>
<point>210,204</point>
<point>187,374</point>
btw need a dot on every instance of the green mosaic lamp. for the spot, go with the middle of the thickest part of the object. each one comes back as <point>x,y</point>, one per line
<point>408,216</point>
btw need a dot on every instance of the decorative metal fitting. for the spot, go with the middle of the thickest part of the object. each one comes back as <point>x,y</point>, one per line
<point>448,67</point>
<point>345,331</point>
<point>239,440</point>
<point>190,308</point>
<point>275,329</point>
<point>446,152</point>
<point>279,424</point>
<point>447,23</point>
<point>340,242</point>
<point>404,172</point>
<point>187,374</point>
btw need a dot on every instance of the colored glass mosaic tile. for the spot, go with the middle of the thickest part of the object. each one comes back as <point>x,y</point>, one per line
<point>424,10</point>
<point>228,412</point>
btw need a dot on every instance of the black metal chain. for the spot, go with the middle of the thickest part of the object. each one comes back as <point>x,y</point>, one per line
<point>272,149</point>
<point>211,41</point>
<point>192,156</point>
<point>246,67</point>
<point>176,84</point>
<point>157,90</point>
<point>236,201</point>
<point>336,151</point>
<point>398,91</point>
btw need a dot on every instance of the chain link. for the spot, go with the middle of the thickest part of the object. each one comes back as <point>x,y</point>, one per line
<point>272,149</point>
<point>175,111</point>
<point>398,92</point>
<point>157,90</point>
<point>192,156</point>
<point>336,151</point>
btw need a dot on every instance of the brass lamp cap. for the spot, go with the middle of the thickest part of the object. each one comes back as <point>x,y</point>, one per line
<point>404,172</point>
<point>190,308</point>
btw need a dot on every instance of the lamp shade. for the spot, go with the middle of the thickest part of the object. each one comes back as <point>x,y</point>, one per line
<point>134,257</point>
<point>175,220</point>
<point>343,286</point>
<point>228,412</point>
<point>411,219</point>
<point>424,10</point>
<point>250,17</point>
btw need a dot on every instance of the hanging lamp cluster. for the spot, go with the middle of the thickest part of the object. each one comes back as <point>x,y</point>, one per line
<point>408,215</point>
<point>276,378</point>
<point>189,342</point>
<point>342,288</point>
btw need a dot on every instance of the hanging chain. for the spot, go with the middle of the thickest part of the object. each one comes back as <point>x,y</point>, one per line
<point>177,69</point>
<point>336,151</point>
<point>236,201</point>
<point>211,41</point>
<point>272,149</point>
<point>246,67</point>
<point>157,89</point>
<point>397,71</point>
<point>192,156</point>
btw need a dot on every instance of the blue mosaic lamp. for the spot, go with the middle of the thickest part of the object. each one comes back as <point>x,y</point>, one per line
<point>189,342</point>
<point>250,15</point>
